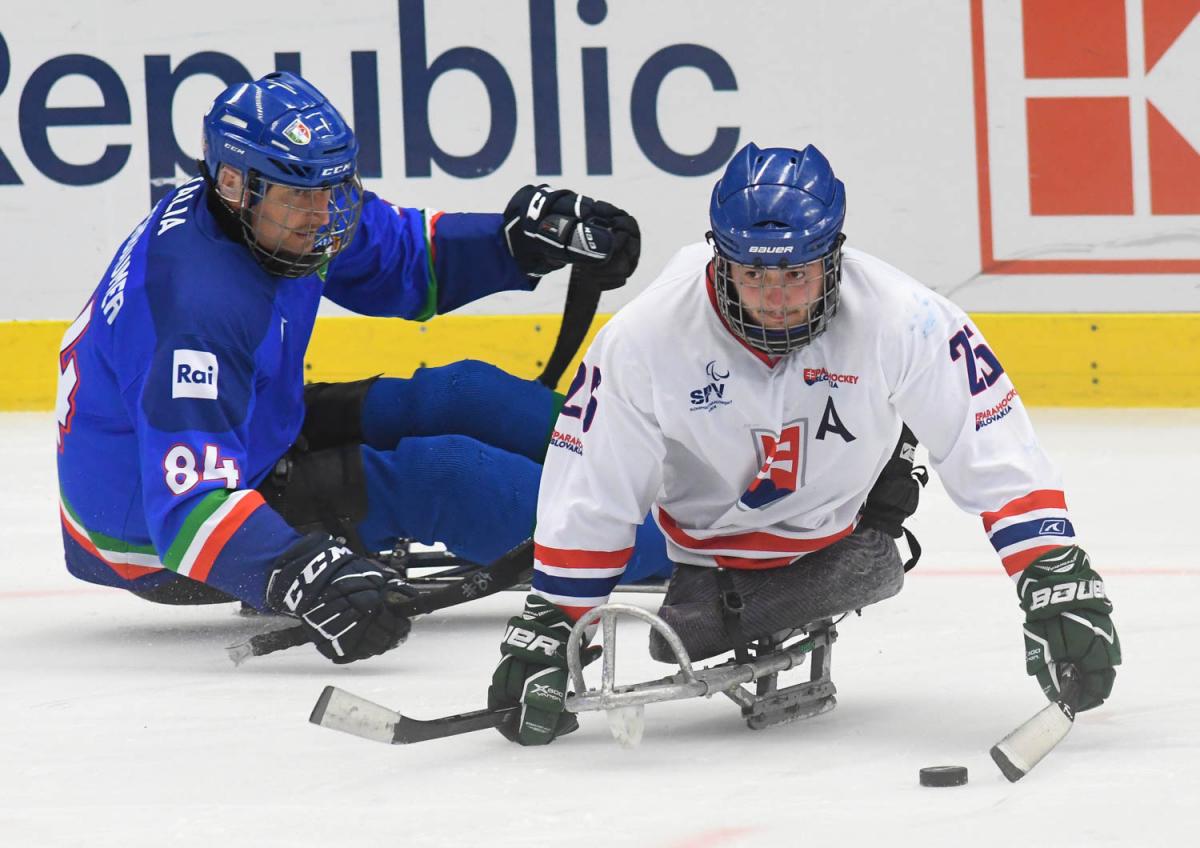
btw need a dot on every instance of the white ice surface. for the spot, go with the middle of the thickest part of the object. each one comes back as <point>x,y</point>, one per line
<point>123,723</point>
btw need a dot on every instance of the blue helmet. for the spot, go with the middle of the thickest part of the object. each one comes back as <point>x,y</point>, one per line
<point>280,130</point>
<point>779,208</point>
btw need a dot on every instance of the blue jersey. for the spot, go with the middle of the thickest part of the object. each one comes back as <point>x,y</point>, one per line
<point>182,381</point>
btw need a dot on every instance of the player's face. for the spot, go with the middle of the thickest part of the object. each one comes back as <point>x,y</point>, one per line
<point>775,298</point>
<point>286,220</point>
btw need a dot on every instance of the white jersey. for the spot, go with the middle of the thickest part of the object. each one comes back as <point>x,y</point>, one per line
<point>749,461</point>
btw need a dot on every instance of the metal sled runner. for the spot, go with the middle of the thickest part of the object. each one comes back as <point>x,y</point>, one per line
<point>766,706</point>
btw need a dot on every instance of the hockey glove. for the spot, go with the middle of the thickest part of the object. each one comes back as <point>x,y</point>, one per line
<point>1067,620</point>
<point>546,229</point>
<point>897,492</point>
<point>533,672</point>
<point>344,600</point>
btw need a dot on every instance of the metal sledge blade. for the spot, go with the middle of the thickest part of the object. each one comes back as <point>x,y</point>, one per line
<point>765,707</point>
<point>338,709</point>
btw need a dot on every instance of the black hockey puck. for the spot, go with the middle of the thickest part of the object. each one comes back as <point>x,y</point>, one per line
<point>943,776</point>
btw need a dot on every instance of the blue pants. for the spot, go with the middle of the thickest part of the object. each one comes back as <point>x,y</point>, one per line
<point>453,455</point>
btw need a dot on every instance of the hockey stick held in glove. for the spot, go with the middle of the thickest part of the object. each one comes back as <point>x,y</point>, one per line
<point>1018,752</point>
<point>337,709</point>
<point>579,310</point>
<point>512,568</point>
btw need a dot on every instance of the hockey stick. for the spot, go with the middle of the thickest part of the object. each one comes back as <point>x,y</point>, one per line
<point>338,709</point>
<point>583,297</point>
<point>1018,752</point>
<point>512,568</point>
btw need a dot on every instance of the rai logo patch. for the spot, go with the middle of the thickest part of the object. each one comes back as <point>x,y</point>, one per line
<point>194,374</point>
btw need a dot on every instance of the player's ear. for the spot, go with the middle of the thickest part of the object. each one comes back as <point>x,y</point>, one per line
<point>230,186</point>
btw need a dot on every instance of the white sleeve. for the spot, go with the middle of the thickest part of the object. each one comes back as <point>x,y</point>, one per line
<point>602,472</point>
<point>953,393</point>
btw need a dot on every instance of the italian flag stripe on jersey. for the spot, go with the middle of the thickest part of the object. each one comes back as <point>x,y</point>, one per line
<point>209,526</point>
<point>125,558</point>
<point>430,217</point>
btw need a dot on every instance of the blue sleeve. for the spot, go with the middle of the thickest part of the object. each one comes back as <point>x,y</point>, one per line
<point>192,410</point>
<point>410,263</point>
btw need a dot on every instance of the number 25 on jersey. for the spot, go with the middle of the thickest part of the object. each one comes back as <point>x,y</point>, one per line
<point>983,368</point>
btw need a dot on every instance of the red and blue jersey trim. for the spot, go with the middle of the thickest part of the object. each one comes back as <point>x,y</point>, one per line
<point>577,580</point>
<point>1024,529</point>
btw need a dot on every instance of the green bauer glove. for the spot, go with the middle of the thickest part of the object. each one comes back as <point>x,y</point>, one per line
<point>533,672</point>
<point>1067,621</point>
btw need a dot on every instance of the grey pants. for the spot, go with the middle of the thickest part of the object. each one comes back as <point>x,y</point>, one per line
<point>864,568</point>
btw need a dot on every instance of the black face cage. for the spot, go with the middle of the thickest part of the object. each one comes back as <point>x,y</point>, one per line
<point>324,240</point>
<point>785,339</point>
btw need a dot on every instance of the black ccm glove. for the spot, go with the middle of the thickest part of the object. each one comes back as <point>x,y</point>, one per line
<point>341,598</point>
<point>547,228</point>
<point>1067,620</point>
<point>533,673</point>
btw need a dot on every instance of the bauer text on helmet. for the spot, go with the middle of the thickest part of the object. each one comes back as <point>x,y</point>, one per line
<point>776,216</point>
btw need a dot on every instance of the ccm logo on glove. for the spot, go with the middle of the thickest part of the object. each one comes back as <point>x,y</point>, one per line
<point>1065,593</point>
<point>519,637</point>
<point>534,212</point>
<point>311,571</point>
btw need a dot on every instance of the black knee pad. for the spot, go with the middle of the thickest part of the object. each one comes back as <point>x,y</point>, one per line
<point>323,490</point>
<point>862,569</point>
<point>333,413</point>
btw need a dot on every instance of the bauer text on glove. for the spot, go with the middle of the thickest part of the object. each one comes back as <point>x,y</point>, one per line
<point>1068,620</point>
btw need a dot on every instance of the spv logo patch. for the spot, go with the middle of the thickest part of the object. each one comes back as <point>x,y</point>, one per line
<point>194,374</point>
<point>712,394</point>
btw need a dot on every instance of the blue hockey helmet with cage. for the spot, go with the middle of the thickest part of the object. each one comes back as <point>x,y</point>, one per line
<point>777,207</point>
<point>280,130</point>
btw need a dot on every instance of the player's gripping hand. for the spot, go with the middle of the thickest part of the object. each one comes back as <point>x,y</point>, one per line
<point>344,600</point>
<point>1067,620</point>
<point>533,672</point>
<point>547,228</point>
